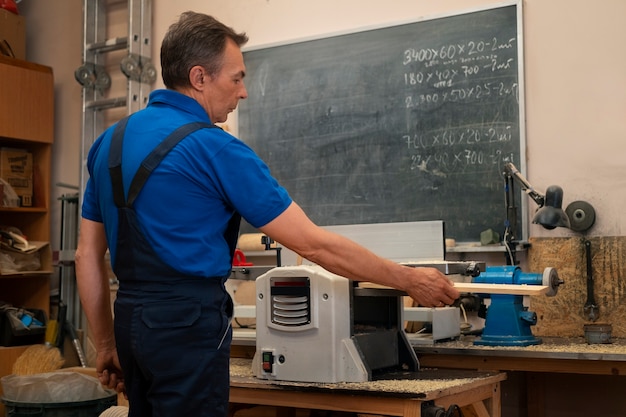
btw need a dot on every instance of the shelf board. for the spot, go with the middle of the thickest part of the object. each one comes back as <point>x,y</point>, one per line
<point>466,247</point>
<point>23,210</point>
<point>26,274</point>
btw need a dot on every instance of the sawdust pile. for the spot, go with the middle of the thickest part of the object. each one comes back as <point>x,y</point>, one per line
<point>573,345</point>
<point>415,386</point>
<point>241,368</point>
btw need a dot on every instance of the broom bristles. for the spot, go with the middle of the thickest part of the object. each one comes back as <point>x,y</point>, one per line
<point>38,359</point>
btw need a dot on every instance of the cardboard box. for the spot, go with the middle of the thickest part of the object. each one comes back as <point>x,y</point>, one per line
<point>13,33</point>
<point>39,252</point>
<point>16,168</point>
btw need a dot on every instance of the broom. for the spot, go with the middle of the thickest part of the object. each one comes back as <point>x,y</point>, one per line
<point>38,359</point>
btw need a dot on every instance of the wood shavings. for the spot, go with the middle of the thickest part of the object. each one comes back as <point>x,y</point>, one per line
<point>556,345</point>
<point>241,368</point>
<point>408,386</point>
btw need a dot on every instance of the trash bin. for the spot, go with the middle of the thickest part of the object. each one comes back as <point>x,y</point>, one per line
<point>55,394</point>
<point>92,408</point>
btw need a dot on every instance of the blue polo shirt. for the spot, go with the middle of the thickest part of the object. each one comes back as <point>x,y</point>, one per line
<point>186,203</point>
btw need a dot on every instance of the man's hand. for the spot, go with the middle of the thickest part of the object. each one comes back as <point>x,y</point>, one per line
<point>109,371</point>
<point>431,288</point>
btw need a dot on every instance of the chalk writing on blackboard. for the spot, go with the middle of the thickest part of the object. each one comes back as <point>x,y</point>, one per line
<point>402,123</point>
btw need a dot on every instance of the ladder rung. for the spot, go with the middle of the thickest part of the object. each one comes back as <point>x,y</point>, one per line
<point>66,256</point>
<point>93,76</point>
<point>106,103</point>
<point>108,45</point>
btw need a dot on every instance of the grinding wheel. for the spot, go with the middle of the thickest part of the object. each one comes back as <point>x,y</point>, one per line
<point>551,280</point>
<point>581,215</point>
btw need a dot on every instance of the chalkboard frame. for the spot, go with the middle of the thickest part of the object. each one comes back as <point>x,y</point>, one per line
<point>521,202</point>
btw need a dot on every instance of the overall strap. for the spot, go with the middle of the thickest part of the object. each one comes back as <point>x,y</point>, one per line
<point>115,162</point>
<point>148,164</point>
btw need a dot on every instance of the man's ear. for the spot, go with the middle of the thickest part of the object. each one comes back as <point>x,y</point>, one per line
<point>197,77</point>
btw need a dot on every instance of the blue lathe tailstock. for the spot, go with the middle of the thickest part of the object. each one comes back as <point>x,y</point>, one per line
<point>508,322</point>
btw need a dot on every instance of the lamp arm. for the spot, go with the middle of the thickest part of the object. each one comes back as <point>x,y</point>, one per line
<point>511,171</point>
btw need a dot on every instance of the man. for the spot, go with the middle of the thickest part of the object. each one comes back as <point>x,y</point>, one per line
<point>166,194</point>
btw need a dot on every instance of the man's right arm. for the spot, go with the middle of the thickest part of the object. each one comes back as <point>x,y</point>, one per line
<point>342,256</point>
<point>95,295</point>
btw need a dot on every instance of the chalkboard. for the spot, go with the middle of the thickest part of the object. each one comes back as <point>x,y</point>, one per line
<point>403,123</point>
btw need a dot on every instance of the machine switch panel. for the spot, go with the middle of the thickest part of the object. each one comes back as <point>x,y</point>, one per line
<point>267,362</point>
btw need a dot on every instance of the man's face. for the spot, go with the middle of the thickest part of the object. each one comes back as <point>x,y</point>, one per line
<point>227,87</point>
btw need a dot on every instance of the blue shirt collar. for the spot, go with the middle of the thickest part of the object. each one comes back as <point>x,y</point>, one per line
<point>181,101</point>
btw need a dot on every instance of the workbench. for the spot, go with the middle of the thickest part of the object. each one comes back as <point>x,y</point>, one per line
<point>401,395</point>
<point>556,375</point>
<point>549,373</point>
<point>561,355</point>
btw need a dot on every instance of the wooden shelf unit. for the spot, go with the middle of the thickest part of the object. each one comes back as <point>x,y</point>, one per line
<point>27,122</point>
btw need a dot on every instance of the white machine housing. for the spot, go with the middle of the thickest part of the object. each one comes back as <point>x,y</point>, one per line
<point>289,327</point>
<point>304,330</point>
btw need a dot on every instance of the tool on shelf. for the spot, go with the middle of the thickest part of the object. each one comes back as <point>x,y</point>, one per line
<point>591,308</point>
<point>76,343</point>
<point>239,259</point>
<point>268,241</point>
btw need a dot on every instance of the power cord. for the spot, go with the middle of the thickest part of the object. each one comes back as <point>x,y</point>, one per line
<point>244,326</point>
<point>466,326</point>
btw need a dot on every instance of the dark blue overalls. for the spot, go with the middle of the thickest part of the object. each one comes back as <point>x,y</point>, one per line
<point>172,330</point>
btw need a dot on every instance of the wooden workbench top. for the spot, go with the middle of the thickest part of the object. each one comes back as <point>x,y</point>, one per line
<point>425,384</point>
<point>560,355</point>
<point>551,347</point>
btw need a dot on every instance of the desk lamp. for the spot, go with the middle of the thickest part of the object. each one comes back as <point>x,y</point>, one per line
<point>579,215</point>
<point>507,321</point>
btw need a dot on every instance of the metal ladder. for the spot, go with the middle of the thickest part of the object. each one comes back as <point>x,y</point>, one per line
<point>136,66</point>
<point>138,73</point>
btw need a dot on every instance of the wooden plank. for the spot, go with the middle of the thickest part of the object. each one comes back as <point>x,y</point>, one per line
<point>480,409</point>
<point>484,288</point>
<point>470,397</point>
<point>265,395</point>
<point>501,288</point>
